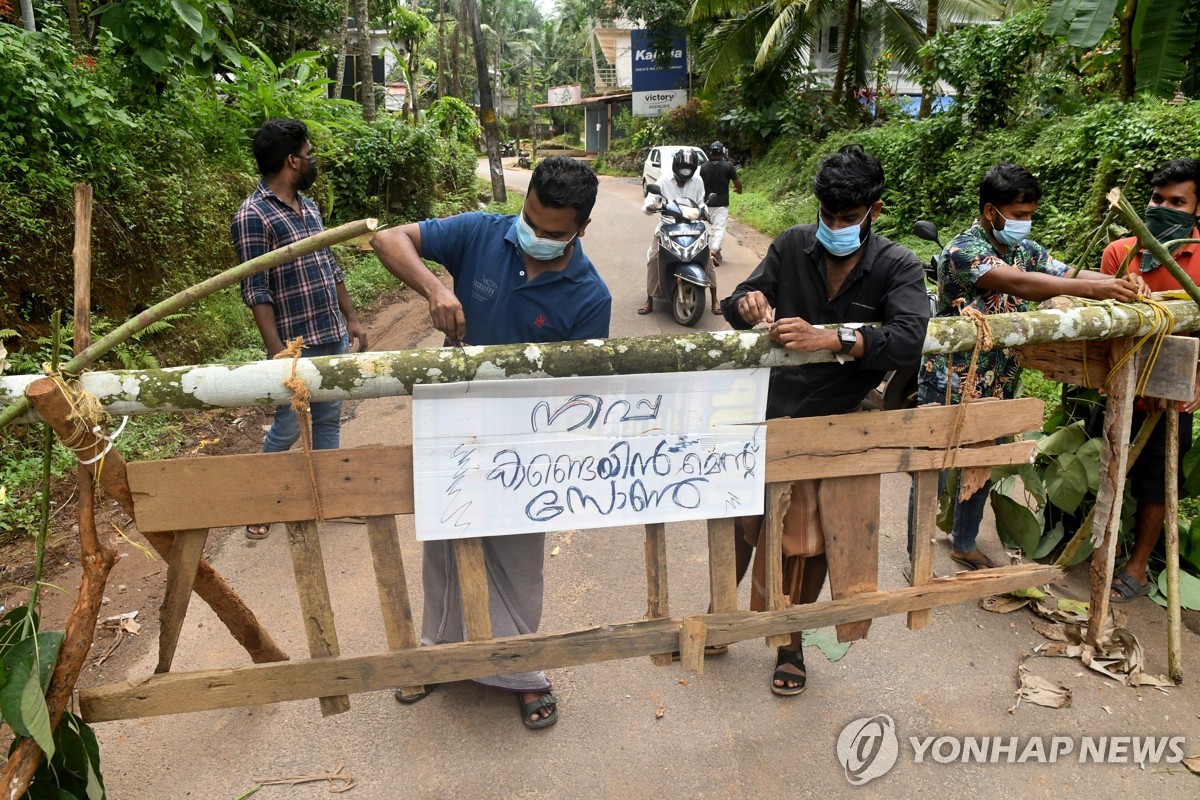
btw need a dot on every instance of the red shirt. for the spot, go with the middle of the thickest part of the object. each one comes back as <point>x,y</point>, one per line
<point>1160,279</point>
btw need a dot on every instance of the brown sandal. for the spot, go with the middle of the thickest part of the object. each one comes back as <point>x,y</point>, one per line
<point>646,309</point>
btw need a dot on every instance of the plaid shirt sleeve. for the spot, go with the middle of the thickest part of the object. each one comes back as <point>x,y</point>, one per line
<point>251,239</point>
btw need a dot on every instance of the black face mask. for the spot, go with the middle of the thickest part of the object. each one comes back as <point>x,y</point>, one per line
<point>308,178</point>
<point>1165,224</point>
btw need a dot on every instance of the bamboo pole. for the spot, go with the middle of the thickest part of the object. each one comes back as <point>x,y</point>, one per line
<point>1148,242</point>
<point>1174,620</point>
<point>193,293</point>
<point>389,374</point>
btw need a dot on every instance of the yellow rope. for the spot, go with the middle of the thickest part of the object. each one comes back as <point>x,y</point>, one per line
<point>86,414</point>
<point>300,404</point>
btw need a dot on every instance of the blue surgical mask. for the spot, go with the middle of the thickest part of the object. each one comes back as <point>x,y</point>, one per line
<point>535,247</point>
<point>843,241</point>
<point>1014,231</point>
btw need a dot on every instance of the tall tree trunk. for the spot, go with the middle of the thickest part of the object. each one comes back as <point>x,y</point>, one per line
<point>839,78</point>
<point>73,25</point>
<point>487,111</point>
<point>27,20</point>
<point>441,58</point>
<point>931,26</point>
<point>413,67</point>
<point>343,42</point>
<point>366,75</point>
<point>1128,62</point>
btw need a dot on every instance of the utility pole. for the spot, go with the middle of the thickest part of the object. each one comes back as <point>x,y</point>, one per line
<point>487,111</point>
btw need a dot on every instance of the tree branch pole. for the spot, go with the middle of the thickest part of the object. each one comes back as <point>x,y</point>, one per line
<point>1148,242</point>
<point>1171,523</point>
<point>47,398</point>
<point>203,289</point>
<point>97,557</point>
<point>390,374</point>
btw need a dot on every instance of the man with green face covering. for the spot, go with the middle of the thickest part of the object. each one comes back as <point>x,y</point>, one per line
<point>1172,214</point>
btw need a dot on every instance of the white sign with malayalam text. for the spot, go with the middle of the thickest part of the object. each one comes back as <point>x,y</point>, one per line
<point>492,458</point>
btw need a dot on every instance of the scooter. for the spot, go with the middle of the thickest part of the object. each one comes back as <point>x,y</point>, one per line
<point>507,149</point>
<point>683,255</point>
<point>523,159</point>
<point>899,387</point>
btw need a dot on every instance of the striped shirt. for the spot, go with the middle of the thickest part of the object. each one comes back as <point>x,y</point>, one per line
<point>303,292</point>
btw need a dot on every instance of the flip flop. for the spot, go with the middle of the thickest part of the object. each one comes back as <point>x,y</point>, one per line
<point>646,309</point>
<point>973,560</point>
<point>258,531</point>
<point>543,700</point>
<point>1127,588</point>
<point>716,309</point>
<point>408,700</point>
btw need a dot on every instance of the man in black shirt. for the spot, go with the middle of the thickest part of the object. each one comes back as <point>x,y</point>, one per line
<point>716,174</point>
<point>836,271</point>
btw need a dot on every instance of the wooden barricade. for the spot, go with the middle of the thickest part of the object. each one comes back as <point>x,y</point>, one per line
<point>848,453</point>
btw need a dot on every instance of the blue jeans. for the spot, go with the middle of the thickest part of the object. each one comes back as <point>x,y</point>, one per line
<point>326,417</point>
<point>967,513</point>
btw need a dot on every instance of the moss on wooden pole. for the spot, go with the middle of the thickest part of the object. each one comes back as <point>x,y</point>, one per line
<point>386,374</point>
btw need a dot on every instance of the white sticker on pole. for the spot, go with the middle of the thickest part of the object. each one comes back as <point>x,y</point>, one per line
<point>492,458</point>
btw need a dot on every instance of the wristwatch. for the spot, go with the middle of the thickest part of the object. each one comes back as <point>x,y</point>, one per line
<point>848,338</point>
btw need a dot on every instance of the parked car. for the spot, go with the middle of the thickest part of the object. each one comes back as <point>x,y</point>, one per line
<point>659,161</point>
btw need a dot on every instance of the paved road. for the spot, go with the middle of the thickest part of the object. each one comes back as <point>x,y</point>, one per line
<point>723,735</point>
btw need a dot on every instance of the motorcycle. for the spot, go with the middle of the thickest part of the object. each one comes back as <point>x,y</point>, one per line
<point>682,241</point>
<point>899,387</point>
<point>523,159</point>
<point>508,149</point>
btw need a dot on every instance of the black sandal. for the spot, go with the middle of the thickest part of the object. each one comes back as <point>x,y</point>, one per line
<point>543,700</point>
<point>409,699</point>
<point>793,658</point>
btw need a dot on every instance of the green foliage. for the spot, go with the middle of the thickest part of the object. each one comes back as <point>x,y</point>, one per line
<point>990,67</point>
<point>156,41</point>
<point>295,89</point>
<point>455,120</point>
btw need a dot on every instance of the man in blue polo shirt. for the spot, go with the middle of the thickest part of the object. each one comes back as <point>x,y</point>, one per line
<point>520,278</point>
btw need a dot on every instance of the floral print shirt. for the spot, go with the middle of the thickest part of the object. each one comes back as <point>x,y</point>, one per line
<point>967,258</point>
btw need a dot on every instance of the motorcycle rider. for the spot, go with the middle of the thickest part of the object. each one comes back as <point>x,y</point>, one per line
<point>686,183</point>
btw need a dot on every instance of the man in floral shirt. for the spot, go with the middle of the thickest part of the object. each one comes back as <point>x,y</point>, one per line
<point>995,268</point>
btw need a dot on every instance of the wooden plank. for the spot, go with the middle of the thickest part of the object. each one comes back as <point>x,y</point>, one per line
<point>850,518</point>
<point>722,565</point>
<point>309,566</point>
<point>1171,522</point>
<point>1064,361</point>
<point>377,481</point>
<point>1106,529</point>
<point>1170,378</point>
<point>692,634</point>
<point>926,427</point>
<point>186,551</point>
<point>658,603</point>
<point>925,507</point>
<point>473,583</point>
<point>1173,376</point>
<point>364,481</point>
<point>800,466</point>
<point>779,498</point>
<point>205,690</point>
<point>392,584</point>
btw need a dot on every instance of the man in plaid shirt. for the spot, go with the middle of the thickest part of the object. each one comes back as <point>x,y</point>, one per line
<point>305,297</point>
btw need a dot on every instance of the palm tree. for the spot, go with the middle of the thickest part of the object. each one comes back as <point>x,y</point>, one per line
<point>777,36</point>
